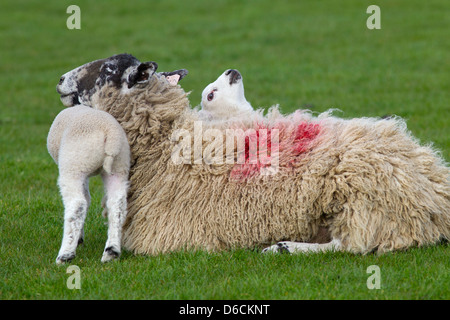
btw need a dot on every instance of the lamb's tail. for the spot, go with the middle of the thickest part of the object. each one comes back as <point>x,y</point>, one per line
<point>113,144</point>
<point>107,163</point>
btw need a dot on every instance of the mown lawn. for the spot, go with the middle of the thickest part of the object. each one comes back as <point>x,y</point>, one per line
<point>299,54</point>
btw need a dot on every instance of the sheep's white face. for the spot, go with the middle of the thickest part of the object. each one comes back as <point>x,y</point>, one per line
<point>225,97</point>
<point>122,71</point>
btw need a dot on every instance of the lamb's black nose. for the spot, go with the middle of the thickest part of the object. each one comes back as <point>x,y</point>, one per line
<point>234,75</point>
<point>61,80</point>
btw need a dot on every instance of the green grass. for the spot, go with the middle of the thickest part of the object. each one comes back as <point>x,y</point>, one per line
<point>293,53</point>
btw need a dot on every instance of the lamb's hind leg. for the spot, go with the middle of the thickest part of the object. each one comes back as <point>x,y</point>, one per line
<point>116,204</point>
<point>75,209</point>
<point>87,196</point>
<point>301,247</point>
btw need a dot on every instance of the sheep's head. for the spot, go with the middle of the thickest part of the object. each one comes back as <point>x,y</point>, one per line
<point>122,71</point>
<point>225,95</point>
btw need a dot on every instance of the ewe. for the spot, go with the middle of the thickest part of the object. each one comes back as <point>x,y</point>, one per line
<point>367,182</point>
<point>85,142</point>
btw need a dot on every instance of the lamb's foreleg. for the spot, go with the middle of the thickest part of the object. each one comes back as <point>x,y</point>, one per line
<point>116,205</point>
<point>301,247</point>
<point>75,208</point>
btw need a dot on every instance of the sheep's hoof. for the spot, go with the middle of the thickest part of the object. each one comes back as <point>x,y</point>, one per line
<point>283,248</point>
<point>280,247</point>
<point>65,258</point>
<point>110,253</point>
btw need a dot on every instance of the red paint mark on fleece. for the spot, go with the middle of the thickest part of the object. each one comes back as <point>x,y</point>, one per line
<point>258,145</point>
<point>289,145</point>
<point>257,153</point>
<point>304,134</point>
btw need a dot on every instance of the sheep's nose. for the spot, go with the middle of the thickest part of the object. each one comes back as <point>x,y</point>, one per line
<point>61,80</point>
<point>234,75</point>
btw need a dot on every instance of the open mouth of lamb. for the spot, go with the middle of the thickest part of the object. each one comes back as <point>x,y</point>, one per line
<point>234,76</point>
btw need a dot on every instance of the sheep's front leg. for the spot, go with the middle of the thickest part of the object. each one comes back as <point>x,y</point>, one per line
<point>75,209</point>
<point>116,206</point>
<point>302,247</point>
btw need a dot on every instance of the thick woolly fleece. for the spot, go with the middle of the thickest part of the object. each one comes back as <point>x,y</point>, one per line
<point>367,180</point>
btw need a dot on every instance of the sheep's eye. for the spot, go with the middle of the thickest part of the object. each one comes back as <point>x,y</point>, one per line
<point>210,96</point>
<point>110,68</point>
<point>143,76</point>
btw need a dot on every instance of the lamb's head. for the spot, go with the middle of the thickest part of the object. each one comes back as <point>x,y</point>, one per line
<point>225,96</point>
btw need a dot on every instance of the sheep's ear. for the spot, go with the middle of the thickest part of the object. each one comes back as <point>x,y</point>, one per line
<point>142,73</point>
<point>174,76</point>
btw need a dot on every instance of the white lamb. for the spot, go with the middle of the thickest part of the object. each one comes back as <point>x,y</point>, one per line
<point>224,98</point>
<point>85,142</point>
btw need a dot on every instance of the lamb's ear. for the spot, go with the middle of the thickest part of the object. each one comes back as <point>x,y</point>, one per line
<point>142,73</point>
<point>175,76</point>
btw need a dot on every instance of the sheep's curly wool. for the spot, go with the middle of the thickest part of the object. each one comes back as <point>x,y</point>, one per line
<point>367,180</point>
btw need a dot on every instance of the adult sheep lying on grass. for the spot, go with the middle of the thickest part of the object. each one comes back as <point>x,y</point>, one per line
<point>86,142</point>
<point>367,182</point>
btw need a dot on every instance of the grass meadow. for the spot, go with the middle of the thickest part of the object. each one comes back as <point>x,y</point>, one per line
<point>299,54</point>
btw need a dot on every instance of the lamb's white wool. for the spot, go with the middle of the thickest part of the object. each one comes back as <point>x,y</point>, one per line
<point>224,98</point>
<point>85,142</point>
